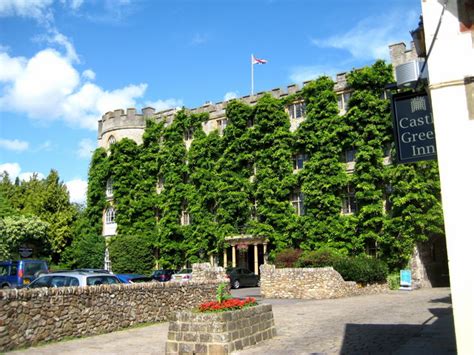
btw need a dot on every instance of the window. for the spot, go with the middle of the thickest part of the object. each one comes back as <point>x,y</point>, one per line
<point>298,161</point>
<point>297,201</point>
<point>371,247</point>
<point>254,209</point>
<point>350,155</point>
<point>111,141</point>
<point>160,183</point>
<point>110,215</point>
<point>109,191</point>
<point>296,110</point>
<point>349,205</point>
<point>221,125</point>
<point>188,134</point>
<point>185,216</point>
<point>343,101</point>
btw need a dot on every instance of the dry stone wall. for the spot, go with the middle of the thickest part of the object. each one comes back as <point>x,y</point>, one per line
<point>310,283</point>
<point>31,316</point>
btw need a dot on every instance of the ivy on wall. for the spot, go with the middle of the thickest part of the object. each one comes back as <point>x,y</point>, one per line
<point>241,182</point>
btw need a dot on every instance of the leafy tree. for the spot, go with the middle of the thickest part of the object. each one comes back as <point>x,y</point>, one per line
<point>131,254</point>
<point>24,231</point>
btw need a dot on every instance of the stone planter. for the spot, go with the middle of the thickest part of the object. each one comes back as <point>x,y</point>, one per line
<point>219,333</point>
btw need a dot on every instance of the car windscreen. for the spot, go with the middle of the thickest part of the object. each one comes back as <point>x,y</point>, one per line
<point>4,270</point>
<point>32,268</point>
<point>54,281</point>
<point>102,280</point>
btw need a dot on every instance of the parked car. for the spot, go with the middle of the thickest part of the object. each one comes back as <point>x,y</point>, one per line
<point>99,271</point>
<point>183,275</point>
<point>240,277</point>
<point>162,275</point>
<point>127,278</point>
<point>74,278</point>
<point>19,273</point>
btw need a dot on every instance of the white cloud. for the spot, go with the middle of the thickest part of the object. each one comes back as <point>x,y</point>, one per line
<point>27,176</point>
<point>231,95</point>
<point>161,105</point>
<point>37,9</point>
<point>77,190</point>
<point>15,144</point>
<point>304,73</point>
<point>88,74</point>
<point>62,40</point>
<point>86,147</point>
<point>198,39</point>
<point>48,87</point>
<point>370,38</point>
<point>14,171</point>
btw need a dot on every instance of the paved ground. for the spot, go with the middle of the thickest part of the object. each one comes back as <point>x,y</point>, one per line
<point>401,322</point>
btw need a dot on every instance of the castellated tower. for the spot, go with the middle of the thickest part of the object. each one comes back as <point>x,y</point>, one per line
<point>119,124</point>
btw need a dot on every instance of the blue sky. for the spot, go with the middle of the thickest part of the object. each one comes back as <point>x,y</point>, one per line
<point>63,63</point>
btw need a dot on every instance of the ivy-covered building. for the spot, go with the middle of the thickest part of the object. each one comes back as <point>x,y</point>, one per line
<point>237,181</point>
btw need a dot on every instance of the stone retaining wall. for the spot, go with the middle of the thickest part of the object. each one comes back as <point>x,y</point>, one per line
<point>30,316</point>
<point>219,333</point>
<point>310,283</point>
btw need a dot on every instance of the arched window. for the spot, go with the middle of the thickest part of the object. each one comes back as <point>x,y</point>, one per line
<point>110,215</point>
<point>109,190</point>
<point>111,140</point>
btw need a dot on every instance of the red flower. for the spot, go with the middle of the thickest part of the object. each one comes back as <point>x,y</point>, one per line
<point>229,304</point>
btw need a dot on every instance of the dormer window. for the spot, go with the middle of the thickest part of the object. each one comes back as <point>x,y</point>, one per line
<point>296,110</point>
<point>109,190</point>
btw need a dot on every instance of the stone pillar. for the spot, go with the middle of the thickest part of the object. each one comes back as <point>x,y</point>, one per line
<point>265,259</point>
<point>225,258</point>
<point>255,257</point>
<point>234,259</point>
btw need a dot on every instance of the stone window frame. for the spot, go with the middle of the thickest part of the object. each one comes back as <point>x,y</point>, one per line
<point>343,99</point>
<point>110,215</point>
<point>349,203</point>
<point>297,201</point>
<point>221,125</point>
<point>188,134</point>
<point>299,160</point>
<point>111,141</point>
<point>109,189</point>
<point>185,215</point>
<point>297,110</point>
<point>349,155</point>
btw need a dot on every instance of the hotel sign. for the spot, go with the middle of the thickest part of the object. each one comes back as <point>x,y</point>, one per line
<point>413,127</point>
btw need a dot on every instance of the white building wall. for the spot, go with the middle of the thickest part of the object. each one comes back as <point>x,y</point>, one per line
<point>451,61</point>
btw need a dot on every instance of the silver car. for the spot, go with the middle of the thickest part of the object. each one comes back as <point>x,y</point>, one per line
<point>63,279</point>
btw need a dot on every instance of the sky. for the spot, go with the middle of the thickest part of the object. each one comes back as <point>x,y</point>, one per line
<point>64,63</point>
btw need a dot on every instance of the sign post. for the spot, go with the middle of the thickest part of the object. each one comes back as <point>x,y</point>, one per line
<point>413,127</point>
<point>405,280</point>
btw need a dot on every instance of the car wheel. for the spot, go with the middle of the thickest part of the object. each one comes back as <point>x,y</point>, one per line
<point>236,284</point>
<point>5,287</point>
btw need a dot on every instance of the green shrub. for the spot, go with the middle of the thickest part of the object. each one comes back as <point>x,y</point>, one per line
<point>362,269</point>
<point>287,257</point>
<point>319,258</point>
<point>131,254</point>
<point>393,280</point>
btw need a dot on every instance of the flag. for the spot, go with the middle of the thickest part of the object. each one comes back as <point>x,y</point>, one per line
<point>258,61</point>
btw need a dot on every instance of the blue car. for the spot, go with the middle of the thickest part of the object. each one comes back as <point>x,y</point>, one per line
<point>128,278</point>
<point>20,273</point>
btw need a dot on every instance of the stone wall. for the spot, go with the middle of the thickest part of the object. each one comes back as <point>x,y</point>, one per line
<point>310,283</point>
<point>205,272</point>
<point>31,316</point>
<point>219,333</point>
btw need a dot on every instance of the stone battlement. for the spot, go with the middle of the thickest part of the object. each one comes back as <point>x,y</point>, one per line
<point>130,123</point>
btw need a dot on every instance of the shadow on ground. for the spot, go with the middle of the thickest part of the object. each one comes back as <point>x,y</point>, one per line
<point>432,337</point>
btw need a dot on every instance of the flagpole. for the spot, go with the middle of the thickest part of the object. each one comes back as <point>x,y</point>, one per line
<point>251,70</point>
